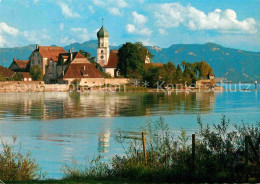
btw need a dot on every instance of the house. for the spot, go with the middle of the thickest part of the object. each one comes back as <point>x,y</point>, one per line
<point>74,65</point>
<point>46,57</point>
<point>5,72</point>
<point>19,65</point>
<point>26,76</point>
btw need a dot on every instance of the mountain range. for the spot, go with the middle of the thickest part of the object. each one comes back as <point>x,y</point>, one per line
<point>231,64</point>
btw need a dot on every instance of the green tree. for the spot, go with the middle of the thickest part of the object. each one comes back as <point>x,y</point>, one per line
<point>17,77</point>
<point>93,61</point>
<point>204,69</point>
<point>188,73</point>
<point>151,75</point>
<point>2,78</point>
<point>167,73</point>
<point>36,72</point>
<point>87,55</point>
<point>131,59</point>
<point>178,75</point>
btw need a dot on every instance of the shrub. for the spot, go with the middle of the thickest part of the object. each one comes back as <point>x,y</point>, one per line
<point>14,166</point>
<point>219,155</point>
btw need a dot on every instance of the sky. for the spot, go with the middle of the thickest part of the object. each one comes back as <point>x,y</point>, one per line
<point>231,23</point>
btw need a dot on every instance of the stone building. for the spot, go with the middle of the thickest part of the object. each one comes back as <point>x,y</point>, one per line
<point>46,57</point>
<point>19,65</point>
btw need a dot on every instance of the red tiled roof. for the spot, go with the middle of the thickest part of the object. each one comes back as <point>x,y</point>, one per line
<point>113,59</point>
<point>6,72</point>
<point>51,52</point>
<point>25,74</point>
<point>79,58</point>
<point>82,70</point>
<point>21,63</point>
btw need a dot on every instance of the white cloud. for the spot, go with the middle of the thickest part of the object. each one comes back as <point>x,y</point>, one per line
<point>173,14</point>
<point>132,29</point>
<point>6,33</point>
<point>82,33</point>
<point>139,18</point>
<point>162,31</point>
<point>112,6</point>
<point>66,40</point>
<point>39,36</point>
<point>35,1</point>
<point>91,9</point>
<point>5,29</point>
<point>67,11</point>
<point>61,26</point>
<point>114,11</point>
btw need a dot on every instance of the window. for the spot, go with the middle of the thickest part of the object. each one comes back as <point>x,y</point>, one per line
<point>102,51</point>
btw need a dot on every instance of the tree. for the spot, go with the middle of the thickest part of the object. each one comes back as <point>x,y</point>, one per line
<point>151,75</point>
<point>178,75</point>
<point>131,59</point>
<point>36,72</point>
<point>2,78</point>
<point>17,77</point>
<point>88,56</point>
<point>204,69</point>
<point>92,60</point>
<point>167,73</point>
<point>188,72</point>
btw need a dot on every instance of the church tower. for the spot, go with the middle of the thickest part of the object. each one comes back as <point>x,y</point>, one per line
<point>103,46</point>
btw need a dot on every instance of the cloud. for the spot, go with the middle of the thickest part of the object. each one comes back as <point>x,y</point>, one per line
<point>162,31</point>
<point>5,29</point>
<point>66,40</point>
<point>61,26</point>
<point>174,14</point>
<point>112,6</point>
<point>35,1</point>
<point>6,33</point>
<point>132,29</point>
<point>39,36</point>
<point>91,9</point>
<point>139,18</point>
<point>67,11</point>
<point>114,11</point>
<point>82,33</point>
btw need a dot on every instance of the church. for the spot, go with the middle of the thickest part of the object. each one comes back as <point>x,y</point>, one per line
<point>107,58</point>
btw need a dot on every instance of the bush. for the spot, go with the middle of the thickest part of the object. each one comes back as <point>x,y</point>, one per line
<point>36,73</point>
<point>14,166</point>
<point>219,155</point>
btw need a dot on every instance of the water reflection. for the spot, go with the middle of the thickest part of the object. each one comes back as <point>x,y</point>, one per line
<point>75,105</point>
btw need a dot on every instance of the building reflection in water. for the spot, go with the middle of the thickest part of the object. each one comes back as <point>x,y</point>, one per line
<point>102,104</point>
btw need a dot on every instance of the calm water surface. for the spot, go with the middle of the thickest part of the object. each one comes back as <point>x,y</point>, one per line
<point>60,127</point>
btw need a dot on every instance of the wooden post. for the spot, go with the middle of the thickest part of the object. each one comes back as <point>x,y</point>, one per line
<point>144,148</point>
<point>193,148</point>
<point>246,158</point>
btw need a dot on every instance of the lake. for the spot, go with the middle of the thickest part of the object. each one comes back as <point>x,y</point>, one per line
<point>60,127</point>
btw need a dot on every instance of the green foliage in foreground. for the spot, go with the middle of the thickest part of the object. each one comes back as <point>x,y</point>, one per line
<point>14,166</point>
<point>219,156</point>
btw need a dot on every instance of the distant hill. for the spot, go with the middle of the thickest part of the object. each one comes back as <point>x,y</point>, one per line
<point>233,64</point>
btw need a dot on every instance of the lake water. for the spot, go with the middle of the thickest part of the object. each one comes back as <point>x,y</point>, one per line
<point>60,127</point>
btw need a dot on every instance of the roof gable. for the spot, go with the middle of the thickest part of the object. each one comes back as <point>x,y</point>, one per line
<point>82,70</point>
<point>51,52</point>
<point>113,59</point>
<point>6,72</point>
<point>21,63</point>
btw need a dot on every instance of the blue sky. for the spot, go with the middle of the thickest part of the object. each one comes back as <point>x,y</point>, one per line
<point>231,23</point>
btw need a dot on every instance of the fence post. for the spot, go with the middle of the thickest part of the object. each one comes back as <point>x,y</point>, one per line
<point>246,158</point>
<point>144,148</point>
<point>193,148</point>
